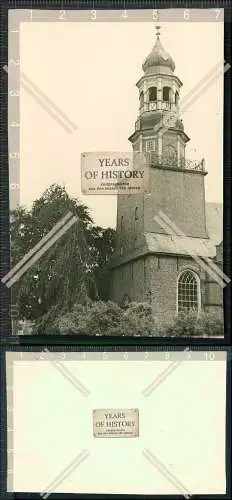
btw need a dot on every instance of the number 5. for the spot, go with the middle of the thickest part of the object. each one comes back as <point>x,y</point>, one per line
<point>155,15</point>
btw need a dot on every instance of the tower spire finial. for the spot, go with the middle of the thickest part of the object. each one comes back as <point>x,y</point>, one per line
<point>158,28</point>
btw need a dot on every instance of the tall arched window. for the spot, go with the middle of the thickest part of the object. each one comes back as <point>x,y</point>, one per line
<point>136,213</point>
<point>166,94</point>
<point>188,292</point>
<point>141,99</point>
<point>152,94</point>
<point>176,97</point>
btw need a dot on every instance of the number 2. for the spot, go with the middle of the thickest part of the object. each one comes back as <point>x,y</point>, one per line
<point>62,15</point>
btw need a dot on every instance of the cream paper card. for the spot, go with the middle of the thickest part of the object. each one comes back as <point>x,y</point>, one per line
<point>181,404</point>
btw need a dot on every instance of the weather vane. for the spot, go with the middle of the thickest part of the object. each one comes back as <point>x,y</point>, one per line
<point>158,28</point>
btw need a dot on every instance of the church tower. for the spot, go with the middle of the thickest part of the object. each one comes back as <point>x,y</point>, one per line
<point>149,261</point>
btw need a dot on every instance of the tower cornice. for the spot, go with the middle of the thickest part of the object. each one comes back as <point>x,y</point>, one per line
<point>136,134</point>
<point>162,75</point>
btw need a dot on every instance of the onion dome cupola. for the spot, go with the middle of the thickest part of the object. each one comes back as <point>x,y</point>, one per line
<point>159,93</point>
<point>158,57</point>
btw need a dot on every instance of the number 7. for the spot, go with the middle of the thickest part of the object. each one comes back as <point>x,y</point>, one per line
<point>218,12</point>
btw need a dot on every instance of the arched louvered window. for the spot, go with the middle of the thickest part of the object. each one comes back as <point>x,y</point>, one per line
<point>188,292</point>
<point>166,94</point>
<point>141,99</point>
<point>152,94</point>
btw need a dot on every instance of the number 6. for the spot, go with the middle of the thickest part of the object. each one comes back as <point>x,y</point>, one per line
<point>186,15</point>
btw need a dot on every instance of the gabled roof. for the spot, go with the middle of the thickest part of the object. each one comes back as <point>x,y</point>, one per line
<point>179,245</point>
<point>164,243</point>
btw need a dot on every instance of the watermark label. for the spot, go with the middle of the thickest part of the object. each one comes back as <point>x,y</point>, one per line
<point>116,423</point>
<point>108,172</point>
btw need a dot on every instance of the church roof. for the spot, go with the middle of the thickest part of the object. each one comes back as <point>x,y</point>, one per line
<point>179,245</point>
<point>165,243</point>
<point>158,57</point>
<point>214,221</point>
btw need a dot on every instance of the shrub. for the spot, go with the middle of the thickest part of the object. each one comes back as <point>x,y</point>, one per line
<point>189,325</point>
<point>96,318</point>
<point>108,318</point>
<point>210,324</point>
<point>137,320</point>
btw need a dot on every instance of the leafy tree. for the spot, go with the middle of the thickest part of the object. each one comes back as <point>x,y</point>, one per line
<point>68,272</point>
<point>101,244</point>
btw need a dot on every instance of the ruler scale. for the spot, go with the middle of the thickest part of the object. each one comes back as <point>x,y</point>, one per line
<point>119,353</point>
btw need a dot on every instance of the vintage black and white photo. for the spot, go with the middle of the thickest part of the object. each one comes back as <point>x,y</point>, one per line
<point>119,217</point>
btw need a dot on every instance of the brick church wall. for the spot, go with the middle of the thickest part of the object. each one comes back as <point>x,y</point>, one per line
<point>153,279</point>
<point>129,279</point>
<point>180,195</point>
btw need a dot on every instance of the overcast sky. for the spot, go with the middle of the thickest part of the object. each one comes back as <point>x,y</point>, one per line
<point>89,70</point>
